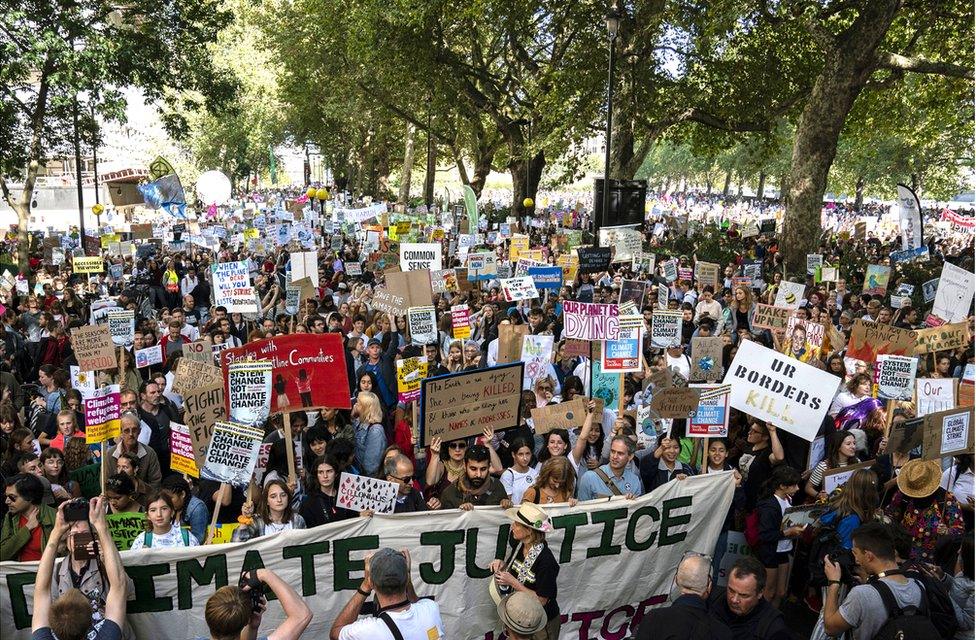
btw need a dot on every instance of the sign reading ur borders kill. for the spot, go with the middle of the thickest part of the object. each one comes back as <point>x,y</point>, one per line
<point>787,393</point>
<point>463,404</point>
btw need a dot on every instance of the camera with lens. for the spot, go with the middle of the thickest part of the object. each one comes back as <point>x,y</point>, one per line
<point>76,510</point>
<point>255,588</point>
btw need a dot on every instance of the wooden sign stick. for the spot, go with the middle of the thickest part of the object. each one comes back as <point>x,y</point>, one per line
<point>289,448</point>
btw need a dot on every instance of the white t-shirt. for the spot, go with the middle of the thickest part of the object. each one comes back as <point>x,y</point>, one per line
<point>516,483</point>
<point>681,363</point>
<point>785,545</point>
<point>961,486</point>
<point>420,621</point>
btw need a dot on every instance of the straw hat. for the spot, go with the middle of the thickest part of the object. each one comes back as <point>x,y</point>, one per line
<point>531,516</point>
<point>919,478</point>
<point>522,613</point>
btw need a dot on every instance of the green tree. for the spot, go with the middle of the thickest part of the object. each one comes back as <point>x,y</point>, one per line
<point>54,56</point>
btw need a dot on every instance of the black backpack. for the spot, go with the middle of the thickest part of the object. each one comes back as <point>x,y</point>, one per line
<point>941,611</point>
<point>826,542</point>
<point>909,623</point>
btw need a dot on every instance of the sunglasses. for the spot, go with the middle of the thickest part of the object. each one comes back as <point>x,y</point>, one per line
<point>130,430</point>
<point>458,445</point>
<point>404,480</point>
<point>10,497</point>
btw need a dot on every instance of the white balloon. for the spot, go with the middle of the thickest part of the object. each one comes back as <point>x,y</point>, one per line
<point>213,187</point>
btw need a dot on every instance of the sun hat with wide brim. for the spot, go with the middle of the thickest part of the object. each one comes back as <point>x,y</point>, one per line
<point>530,515</point>
<point>522,613</point>
<point>919,478</point>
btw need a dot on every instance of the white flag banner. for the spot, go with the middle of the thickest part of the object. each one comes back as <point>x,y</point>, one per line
<point>630,548</point>
<point>954,296</point>
<point>909,218</point>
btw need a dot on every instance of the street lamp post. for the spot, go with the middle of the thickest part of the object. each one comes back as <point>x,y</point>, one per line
<point>613,24</point>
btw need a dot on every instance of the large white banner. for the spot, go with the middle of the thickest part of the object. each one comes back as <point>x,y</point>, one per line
<point>616,560</point>
<point>787,393</point>
<point>909,218</point>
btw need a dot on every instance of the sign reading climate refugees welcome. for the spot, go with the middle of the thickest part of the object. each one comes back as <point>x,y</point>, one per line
<point>786,393</point>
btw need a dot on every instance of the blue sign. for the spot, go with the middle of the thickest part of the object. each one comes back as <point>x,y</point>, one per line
<point>546,277</point>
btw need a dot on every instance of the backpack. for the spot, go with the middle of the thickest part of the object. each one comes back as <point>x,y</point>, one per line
<point>148,538</point>
<point>826,542</point>
<point>941,611</point>
<point>910,623</point>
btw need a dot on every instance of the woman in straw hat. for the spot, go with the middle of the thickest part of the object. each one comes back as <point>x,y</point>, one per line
<point>928,512</point>
<point>531,567</point>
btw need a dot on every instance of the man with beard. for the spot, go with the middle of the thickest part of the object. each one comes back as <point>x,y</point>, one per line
<point>476,487</point>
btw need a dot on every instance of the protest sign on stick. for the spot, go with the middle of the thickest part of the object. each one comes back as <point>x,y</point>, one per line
<point>565,415</point>
<point>182,458</point>
<point>362,493</point>
<point>946,337</point>
<point>947,433</point>
<point>102,414</point>
<point>232,287</point>
<point>122,326</point>
<point>199,350</point>
<point>585,321</point>
<point>769,317</point>
<point>711,418</point>
<point>204,407</point>
<point>934,394</point>
<point>149,356</point>
<point>249,391</point>
<point>706,359</point>
<point>510,342</point>
<point>232,454</point>
<point>422,322</point>
<point>410,373</point>
<point>666,329</point>
<point>93,347</point>
<point>676,402</point>
<point>896,377</point>
<point>463,404</point>
<point>871,339</point>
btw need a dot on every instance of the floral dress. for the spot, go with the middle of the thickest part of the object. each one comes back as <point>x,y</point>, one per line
<point>927,520</point>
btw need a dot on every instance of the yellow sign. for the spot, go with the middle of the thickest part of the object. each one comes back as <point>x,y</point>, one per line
<point>87,265</point>
<point>532,254</point>
<point>410,373</point>
<point>109,238</point>
<point>570,264</point>
<point>224,532</point>
<point>251,233</point>
<point>516,246</point>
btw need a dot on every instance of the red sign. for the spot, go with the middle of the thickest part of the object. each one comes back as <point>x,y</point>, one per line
<point>308,371</point>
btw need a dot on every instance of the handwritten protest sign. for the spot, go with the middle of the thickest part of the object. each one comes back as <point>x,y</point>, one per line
<point>789,294</point>
<point>604,385</point>
<point>586,321</point>
<point>521,288</point>
<point>536,355</point>
<point>942,338</point>
<point>204,407</point>
<point>308,370</point>
<point>232,454</point>
<point>362,493</point>
<point>954,296</point>
<point>249,391</point>
<point>627,241</point>
<point>463,404</point>
<point>896,377</point>
<point>386,301</point>
<point>181,457</point>
<point>199,351</point>
<point>232,287</point>
<point>905,435</point>
<point>707,273</point>
<point>934,394</point>
<point>947,433</point>
<point>790,394</point>
<point>666,329</point>
<point>676,402</point>
<point>593,259</point>
<point>122,326</point>
<point>149,356</point>
<point>706,359</point>
<point>125,528</point>
<point>769,317</point>
<point>412,286</point>
<point>834,478</point>
<point>93,347</point>
<point>871,339</point>
<point>191,374</point>
<point>410,373</point>
<point>102,414</point>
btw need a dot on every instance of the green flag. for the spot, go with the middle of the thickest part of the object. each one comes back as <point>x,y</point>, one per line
<point>471,204</point>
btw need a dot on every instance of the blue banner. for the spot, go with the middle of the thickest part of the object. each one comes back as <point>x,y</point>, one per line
<point>546,277</point>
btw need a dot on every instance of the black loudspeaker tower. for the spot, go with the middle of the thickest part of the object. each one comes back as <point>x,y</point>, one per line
<point>627,199</point>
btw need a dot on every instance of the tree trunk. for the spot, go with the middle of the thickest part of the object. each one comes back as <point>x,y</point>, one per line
<point>739,192</point>
<point>708,186</point>
<point>728,184</point>
<point>762,185</point>
<point>859,193</point>
<point>847,68</point>
<point>408,154</point>
<point>431,170</point>
<point>915,184</point>
<point>522,190</point>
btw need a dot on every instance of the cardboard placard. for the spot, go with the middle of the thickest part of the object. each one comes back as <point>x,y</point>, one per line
<point>870,339</point>
<point>707,273</point>
<point>706,359</point>
<point>386,301</point>
<point>905,435</point>
<point>790,394</point>
<point>565,415</point>
<point>204,408</point>
<point>769,317</point>
<point>463,404</point>
<point>947,433</point>
<point>141,231</point>
<point>834,478</point>
<point>191,374</point>
<point>308,370</point>
<point>573,347</point>
<point>232,454</point>
<point>412,286</point>
<point>942,338</point>
<point>510,342</point>
<point>676,402</point>
<point>93,347</point>
<point>199,351</point>
<point>363,493</point>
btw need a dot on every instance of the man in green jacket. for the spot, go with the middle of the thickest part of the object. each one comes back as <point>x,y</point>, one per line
<point>28,522</point>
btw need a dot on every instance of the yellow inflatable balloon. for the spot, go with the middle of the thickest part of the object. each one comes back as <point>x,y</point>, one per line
<point>311,192</point>
<point>98,209</point>
<point>527,203</point>
<point>322,194</point>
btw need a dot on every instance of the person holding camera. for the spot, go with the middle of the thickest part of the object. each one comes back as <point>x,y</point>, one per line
<point>28,523</point>
<point>234,613</point>
<point>70,616</point>
<point>399,613</point>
